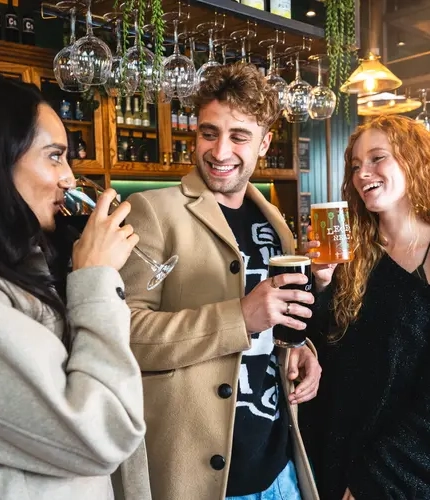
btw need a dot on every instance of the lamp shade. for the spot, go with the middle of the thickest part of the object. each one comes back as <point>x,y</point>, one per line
<point>370,77</point>
<point>386,104</point>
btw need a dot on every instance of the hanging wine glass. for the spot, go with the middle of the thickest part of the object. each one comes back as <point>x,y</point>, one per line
<point>211,27</point>
<point>179,70</point>
<point>297,98</point>
<point>424,116</point>
<point>190,37</point>
<point>91,58</point>
<point>139,59</point>
<point>223,43</point>
<point>82,201</point>
<point>322,100</point>
<point>121,80</point>
<point>243,36</point>
<point>62,65</point>
<point>275,82</point>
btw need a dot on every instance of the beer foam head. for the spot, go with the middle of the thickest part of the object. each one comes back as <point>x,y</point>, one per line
<point>289,260</point>
<point>330,204</point>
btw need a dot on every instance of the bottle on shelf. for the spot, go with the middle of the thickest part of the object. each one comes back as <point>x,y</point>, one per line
<point>81,147</point>
<point>124,147</point>
<point>11,27</point>
<point>132,150</point>
<point>192,121</point>
<point>65,110</point>
<point>27,28</point>
<point>304,228</point>
<point>144,152</point>
<point>257,4</point>
<point>281,159</point>
<point>182,120</point>
<point>281,8</point>
<point>128,115</point>
<point>79,114</point>
<point>146,122</point>
<point>137,115</point>
<point>119,113</point>
<point>185,154</point>
<point>120,151</point>
<point>174,118</point>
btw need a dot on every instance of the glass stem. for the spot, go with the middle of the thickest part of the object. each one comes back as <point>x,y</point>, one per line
<point>154,265</point>
<point>89,20</point>
<point>118,37</point>
<point>224,53</point>
<point>243,50</point>
<point>320,81</point>
<point>271,69</point>
<point>297,68</point>
<point>72,25</point>
<point>211,47</point>
<point>176,39</point>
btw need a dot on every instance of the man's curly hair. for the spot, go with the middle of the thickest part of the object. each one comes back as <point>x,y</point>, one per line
<point>244,88</point>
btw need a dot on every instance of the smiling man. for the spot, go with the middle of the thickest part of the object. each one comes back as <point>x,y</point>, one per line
<point>220,417</point>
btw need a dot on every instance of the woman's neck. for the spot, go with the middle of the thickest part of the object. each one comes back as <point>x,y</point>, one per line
<point>398,231</point>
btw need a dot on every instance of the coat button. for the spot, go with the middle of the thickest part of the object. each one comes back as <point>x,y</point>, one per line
<point>235,266</point>
<point>217,462</point>
<point>120,293</point>
<point>225,391</point>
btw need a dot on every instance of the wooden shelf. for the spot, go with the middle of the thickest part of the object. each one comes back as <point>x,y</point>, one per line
<point>183,133</point>
<point>81,123</point>
<point>136,127</point>
<point>141,169</point>
<point>274,174</point>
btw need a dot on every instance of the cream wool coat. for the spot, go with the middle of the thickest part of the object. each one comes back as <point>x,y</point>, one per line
<point>188,335</point>
<point>61,437</point>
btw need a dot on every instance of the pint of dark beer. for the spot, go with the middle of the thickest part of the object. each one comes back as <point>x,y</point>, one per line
<point>284,336</point>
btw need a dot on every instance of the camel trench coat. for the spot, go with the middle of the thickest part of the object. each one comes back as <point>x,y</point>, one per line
<point>188,335</point>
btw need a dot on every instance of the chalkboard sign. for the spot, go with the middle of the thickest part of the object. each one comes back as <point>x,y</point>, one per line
<point>304,154</point>
<point>305,204</point>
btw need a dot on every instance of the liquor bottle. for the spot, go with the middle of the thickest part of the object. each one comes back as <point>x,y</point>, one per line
<point>144,152</point>
<point>119,149</point>
<point>79,114</point>
<point>281,8</point>
<point>146,122</point>
<point>119,114</point>
<point>132,151</point>
<point>65,110</point>
<point>128,115</point>
<point>124,147</point>
<point>27,28</point>
<point>81,147</point>
<point>257,4</point>
<point>281,160</point>
<point>192,121</point>
<point>11,29</point>
<point>174,117</point>
<point>182,120</point>
<point>137,115</point>
<point>185,155</point>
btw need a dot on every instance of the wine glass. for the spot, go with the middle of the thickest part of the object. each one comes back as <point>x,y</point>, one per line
<point>322,100</point>
<point>243,36</point>
<point>82,200</point>
<point>211,27</point>
<point>179,70</point>
<point>275,82</point>
<point>121,80</point>
<point>424,116</point>
<point>91,58</point>
<point>297,98</point>
<point>62,65</point>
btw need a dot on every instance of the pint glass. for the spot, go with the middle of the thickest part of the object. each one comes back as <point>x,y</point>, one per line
<point>330,226</point>
<point>284,336</point>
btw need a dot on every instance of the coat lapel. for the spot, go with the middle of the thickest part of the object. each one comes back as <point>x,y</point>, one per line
<point>205,207</point>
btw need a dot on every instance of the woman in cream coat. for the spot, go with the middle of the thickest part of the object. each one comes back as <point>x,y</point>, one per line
<point>71,401</point>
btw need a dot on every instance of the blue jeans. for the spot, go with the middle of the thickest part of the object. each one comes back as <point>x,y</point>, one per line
<point>284,487</point>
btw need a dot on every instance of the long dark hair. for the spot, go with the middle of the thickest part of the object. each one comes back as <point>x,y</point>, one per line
<point>20,231</point>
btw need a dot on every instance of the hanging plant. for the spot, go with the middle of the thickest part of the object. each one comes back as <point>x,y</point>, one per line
<point>133,10</point>
<point>341,45</point>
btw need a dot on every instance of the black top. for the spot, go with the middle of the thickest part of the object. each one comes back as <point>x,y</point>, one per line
<point>419,271</point>
<point>369,427</point>
<point>260,435</point>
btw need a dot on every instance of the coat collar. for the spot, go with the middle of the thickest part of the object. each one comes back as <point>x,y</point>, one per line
<point>205,207</point>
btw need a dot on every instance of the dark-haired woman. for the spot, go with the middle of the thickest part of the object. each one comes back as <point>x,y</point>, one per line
<point>68,416</point>
<point>371,418</point>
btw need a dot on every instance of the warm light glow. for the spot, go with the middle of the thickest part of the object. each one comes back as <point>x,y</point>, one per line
<point>400,43</point>
<point>386,103</point>
<point>370,76</point>
<point>311,13</point>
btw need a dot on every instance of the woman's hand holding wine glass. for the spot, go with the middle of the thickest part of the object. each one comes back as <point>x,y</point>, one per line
<point>104,242</point>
